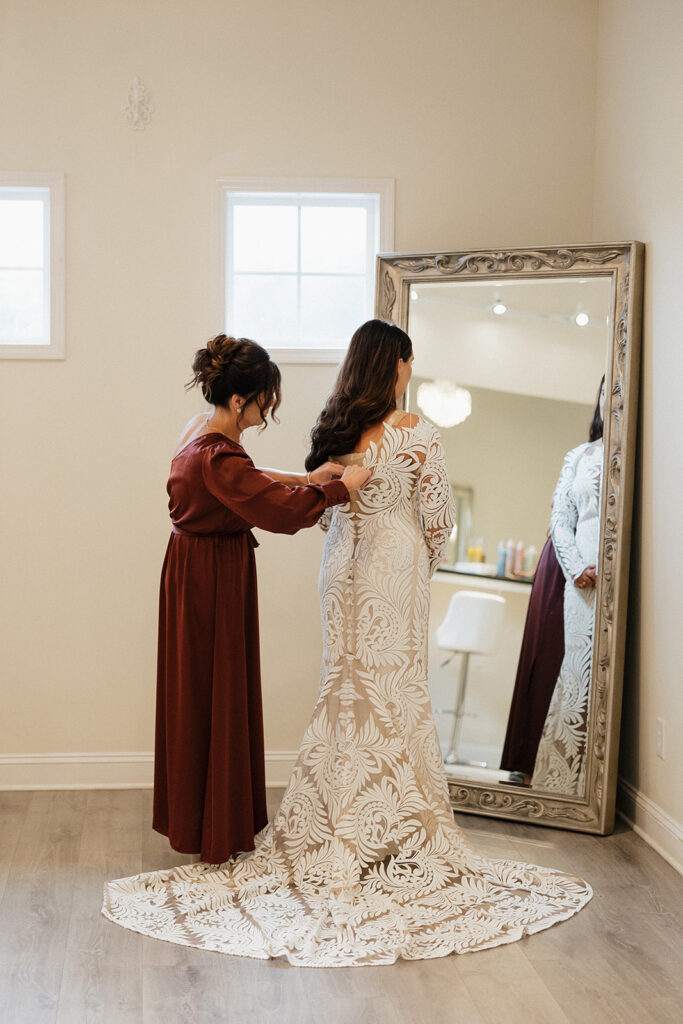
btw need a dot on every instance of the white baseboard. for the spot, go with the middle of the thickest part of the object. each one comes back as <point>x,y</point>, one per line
<point>279,766</point>
<point>659,830</point>
<point>135,771</point>
<point>77,771</point>
<point>107,771</point>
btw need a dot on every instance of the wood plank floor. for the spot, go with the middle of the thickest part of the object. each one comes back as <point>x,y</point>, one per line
<point>618,961</point>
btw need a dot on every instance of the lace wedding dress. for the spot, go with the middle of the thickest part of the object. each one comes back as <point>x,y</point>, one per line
<point>363,862</point>
<point>575,529</point>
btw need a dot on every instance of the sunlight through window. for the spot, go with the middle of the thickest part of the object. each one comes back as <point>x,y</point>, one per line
<point>31,265</point>
<point>300,266</point>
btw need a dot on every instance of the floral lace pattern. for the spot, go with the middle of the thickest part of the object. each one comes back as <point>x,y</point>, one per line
<point>363,862</point>
<point>575,529</point>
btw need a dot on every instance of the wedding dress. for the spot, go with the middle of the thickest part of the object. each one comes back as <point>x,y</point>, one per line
<point>363,862</point>
<point>575,529</point>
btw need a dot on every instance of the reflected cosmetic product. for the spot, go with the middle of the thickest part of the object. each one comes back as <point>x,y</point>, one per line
<point>519,558</point>
<point>530,559</point>
<point>509,557</point>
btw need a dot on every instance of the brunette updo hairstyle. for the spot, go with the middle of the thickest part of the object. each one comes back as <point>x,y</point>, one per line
<point>596,427</point>
<point>237,366</point>
<point>365,391</point>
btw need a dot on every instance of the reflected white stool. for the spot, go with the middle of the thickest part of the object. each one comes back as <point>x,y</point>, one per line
<point>471,626</point>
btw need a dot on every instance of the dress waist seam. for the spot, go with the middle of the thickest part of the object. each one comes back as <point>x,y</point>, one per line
<point>178,532</point>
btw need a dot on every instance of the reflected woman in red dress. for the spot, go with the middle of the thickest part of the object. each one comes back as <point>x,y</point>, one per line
<point>209,778</point>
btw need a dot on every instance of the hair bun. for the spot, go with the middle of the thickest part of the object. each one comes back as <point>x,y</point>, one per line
<point>221,350</point>
<point>236,366</point>
<point>210,363</point>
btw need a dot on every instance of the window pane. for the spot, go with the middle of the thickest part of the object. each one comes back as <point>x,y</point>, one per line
<point>265,238</point>
<point>331,310</point>
<point>21,307</point>
<point>333,239</point>
<point>21,233</point>
<point>264,309</point>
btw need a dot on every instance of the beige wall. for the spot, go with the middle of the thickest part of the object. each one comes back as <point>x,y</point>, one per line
<point>639,194</point>
<point>483,113</point>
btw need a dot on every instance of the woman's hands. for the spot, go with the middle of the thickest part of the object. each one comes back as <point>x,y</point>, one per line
<point>355,477</point>
<point>326,473</point>
<point>588,578</point>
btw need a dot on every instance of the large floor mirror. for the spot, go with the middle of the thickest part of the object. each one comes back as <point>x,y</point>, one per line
<point>527,362</point>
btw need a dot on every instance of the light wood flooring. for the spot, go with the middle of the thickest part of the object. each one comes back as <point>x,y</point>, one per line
<point>620,960</point>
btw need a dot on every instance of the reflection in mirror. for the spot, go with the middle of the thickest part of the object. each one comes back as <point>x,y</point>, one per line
<point>512,372</point>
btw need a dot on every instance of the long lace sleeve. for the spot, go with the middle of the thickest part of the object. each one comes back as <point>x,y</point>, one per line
<point>564,518</point>
<point>436,501</point>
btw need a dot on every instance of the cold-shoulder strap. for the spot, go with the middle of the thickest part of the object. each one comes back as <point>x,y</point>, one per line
<point>398,416</point>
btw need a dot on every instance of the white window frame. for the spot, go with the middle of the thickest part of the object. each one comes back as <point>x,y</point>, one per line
<point>55,270</point>
<point>381,187</point>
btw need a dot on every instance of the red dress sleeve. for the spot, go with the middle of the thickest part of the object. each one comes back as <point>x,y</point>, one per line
<point>232,477</point>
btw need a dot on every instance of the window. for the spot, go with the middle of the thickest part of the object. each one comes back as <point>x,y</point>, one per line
<point>31,266</point>
<point>299,261</point>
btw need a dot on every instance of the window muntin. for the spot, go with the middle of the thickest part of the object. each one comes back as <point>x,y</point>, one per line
<point>300,267</point>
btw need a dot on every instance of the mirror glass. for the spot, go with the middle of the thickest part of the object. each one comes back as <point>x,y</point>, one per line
<point>511,372</point>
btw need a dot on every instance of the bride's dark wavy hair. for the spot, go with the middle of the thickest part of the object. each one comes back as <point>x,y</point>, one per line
<point>596,427</point>
<point>364,393</point>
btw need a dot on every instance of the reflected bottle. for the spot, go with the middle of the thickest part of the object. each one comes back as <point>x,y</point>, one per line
<point>530,560</point>
<point>519,558</point>
<point>500,563</point>
<point>509,557</point>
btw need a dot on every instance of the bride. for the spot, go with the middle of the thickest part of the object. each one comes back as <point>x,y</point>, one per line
<point>363,862</point>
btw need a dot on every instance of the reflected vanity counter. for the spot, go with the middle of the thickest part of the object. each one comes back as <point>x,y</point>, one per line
<point>489,690</point>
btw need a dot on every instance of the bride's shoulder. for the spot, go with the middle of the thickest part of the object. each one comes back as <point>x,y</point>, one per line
<point>422,429</point>
<point>411,421</point>
<point>415,430</point>
<point>415,433</point>
<point>577,453</point>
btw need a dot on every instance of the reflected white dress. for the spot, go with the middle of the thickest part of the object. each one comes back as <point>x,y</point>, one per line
<point>575,529</point>
<point>363,862</point>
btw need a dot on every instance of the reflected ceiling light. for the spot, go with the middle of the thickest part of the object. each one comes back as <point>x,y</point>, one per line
<point>582,319</point>
<point>444,403</point>
<point>414,295</point>
<point>499,308</point>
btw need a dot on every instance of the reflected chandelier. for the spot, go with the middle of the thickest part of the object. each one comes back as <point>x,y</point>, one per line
<point>444,403</point>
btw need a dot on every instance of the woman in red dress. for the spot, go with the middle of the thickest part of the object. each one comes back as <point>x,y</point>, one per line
<point>209,779</point>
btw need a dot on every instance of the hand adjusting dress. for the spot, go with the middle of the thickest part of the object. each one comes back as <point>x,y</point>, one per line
<point>209,784</point>
<point>363,862</point>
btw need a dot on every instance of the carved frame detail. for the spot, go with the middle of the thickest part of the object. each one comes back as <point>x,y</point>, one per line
<point>623,263</point>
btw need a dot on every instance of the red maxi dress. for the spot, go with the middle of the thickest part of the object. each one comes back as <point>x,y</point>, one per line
<point>209,778</point>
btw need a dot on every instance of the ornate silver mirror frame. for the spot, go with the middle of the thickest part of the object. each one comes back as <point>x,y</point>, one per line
<point>623,264</point>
